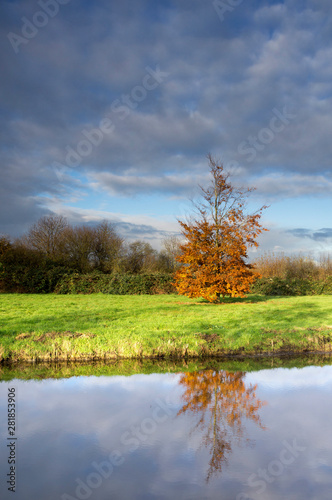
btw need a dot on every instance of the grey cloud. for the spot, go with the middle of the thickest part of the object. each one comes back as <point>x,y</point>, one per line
<point>18,213</point>
<point>129,184</point>
<point>180,185</point>
<point>290,242</point>
<point>316,235</point>
<point>140,231</point>
<point>292,185</point>
<point>323,234</point>
<point>300,232</point>
<point>225,80</point>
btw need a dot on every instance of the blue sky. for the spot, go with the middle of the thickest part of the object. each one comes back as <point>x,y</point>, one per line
<point>108,110</point>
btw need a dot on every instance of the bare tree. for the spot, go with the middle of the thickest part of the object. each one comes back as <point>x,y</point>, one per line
<point>171,251</point>
<point>140,257</point>
<point>78,247</point>
<point>108,247</point>
<point>88,248</point>
<point>46,235</point>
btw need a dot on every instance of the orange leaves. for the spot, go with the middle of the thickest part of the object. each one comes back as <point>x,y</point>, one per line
<point>222,403</point>
<point>213,264</point>
<point>214,255</point>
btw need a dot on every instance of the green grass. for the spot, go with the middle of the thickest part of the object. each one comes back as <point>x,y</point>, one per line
<point>86,327</point>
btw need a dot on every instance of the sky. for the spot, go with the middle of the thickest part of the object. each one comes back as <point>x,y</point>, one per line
<point>108,110</point>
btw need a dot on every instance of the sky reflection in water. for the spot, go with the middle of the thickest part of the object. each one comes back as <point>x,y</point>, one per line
<point>200,435</point>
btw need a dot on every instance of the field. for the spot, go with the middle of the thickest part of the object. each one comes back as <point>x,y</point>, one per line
<point>94,327</point>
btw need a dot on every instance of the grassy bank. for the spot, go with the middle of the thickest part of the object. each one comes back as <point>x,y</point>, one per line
<point>86,327</point>
<point>128,367</point>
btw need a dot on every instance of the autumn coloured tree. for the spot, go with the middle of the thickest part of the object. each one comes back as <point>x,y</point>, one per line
<point>222,403</point>
<point>214,254</point>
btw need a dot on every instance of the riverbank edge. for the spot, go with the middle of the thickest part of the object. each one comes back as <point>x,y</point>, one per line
<point>220,356</point>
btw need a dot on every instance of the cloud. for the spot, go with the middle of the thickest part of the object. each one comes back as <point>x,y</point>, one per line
<point>225,79</point>
<point>129,185</point>
<point>292,241</point>
<point>292,185</point>
<point>316,235</point>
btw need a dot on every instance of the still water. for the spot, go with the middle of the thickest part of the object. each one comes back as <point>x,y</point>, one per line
<point>204,434</point>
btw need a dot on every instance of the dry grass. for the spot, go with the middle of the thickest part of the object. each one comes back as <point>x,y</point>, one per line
<point>271,265</point>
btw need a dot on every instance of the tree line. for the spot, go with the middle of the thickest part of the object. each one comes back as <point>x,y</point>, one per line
<point>84,249</point>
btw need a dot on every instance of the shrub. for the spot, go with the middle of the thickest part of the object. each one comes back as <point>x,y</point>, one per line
<point>24,279</point>
<point>292,286</point>
<point>117,284</point>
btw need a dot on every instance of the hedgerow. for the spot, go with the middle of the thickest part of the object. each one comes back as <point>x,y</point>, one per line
<point>117,284</point>
<point>26,279</point>
<point>292,286</point>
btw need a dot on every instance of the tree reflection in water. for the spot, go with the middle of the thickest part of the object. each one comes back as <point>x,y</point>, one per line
<point>222,402</point>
